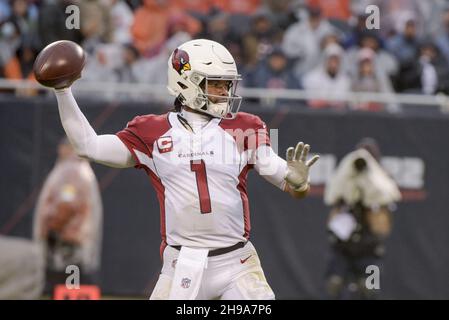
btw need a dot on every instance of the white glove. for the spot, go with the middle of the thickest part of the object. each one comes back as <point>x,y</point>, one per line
<point>297,168</point>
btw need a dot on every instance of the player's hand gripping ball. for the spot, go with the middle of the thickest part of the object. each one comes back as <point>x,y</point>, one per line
<point>59,64</point>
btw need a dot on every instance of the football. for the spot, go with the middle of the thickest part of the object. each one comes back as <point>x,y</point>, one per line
<point>59,64</point>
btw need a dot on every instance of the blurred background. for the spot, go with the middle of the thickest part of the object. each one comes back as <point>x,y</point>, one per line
<point>311,69</point>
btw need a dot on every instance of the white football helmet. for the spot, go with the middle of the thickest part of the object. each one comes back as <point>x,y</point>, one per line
<point>192,65</point>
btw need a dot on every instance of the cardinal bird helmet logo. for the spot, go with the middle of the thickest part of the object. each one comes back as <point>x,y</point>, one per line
<point>180,61</point>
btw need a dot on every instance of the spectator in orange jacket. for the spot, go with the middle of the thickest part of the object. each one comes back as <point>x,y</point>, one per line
<point>149,29</point>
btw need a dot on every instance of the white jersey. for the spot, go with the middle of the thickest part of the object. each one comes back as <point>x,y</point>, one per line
<point>200,178</point>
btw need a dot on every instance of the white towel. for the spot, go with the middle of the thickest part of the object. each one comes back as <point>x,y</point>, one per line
<point>373,186</point>
<point>188,273</point>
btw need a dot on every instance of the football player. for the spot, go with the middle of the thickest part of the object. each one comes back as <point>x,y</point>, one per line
<point>197,158</point>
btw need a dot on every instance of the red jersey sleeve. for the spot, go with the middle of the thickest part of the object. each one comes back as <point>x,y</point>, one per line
<point>249,131</point>
<point>261,135</point>
<point>132,139</point>
<point>141,133</point>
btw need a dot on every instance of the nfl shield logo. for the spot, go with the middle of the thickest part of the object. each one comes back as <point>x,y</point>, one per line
<point>185,283</point>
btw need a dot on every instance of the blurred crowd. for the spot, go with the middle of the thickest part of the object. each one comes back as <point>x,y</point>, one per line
<point>311,44</point>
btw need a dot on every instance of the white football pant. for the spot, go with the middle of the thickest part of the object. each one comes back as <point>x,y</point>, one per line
<point>236,275</point>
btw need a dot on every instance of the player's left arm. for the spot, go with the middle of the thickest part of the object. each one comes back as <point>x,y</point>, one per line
<point>290,175</point>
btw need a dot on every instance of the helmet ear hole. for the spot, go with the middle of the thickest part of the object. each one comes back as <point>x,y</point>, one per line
<point>202,84</point>
<point>182,85</point>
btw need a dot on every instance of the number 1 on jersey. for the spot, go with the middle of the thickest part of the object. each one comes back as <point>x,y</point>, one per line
<point>199,167</point>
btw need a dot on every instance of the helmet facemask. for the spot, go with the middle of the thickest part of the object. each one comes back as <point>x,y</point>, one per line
<point>220,106</point>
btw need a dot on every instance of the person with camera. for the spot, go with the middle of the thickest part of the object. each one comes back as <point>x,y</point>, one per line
<point>362,197</point>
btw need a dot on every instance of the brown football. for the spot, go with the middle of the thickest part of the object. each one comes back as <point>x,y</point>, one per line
<point>59,64</point>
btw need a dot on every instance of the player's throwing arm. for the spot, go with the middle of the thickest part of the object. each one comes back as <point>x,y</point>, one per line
<point>58,66</point>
